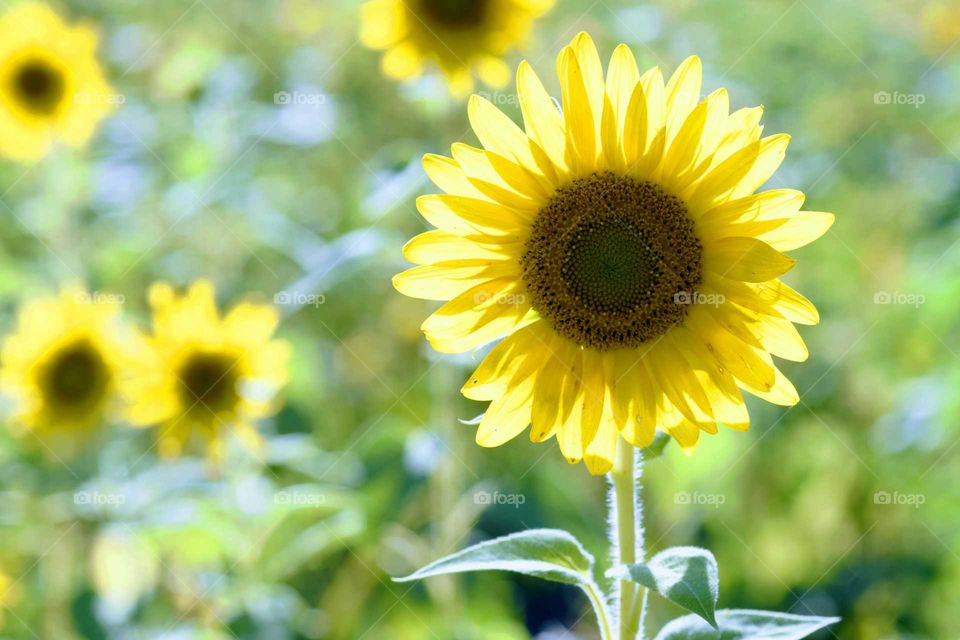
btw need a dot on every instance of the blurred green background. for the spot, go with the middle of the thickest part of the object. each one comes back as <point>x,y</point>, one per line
<point>845,505</point>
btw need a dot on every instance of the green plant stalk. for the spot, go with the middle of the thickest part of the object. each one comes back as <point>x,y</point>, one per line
<point>628,522</point>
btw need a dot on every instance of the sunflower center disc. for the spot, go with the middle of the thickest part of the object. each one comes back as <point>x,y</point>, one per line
<point>456,14</point>
<point>611,262</point>
<point>76,377</point>
<point>209,380</point>
<point>39,87</point>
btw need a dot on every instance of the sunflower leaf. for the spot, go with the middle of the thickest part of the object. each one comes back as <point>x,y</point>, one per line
<point>745,624</point>
<point>550,554</point>
<point>686,576</point>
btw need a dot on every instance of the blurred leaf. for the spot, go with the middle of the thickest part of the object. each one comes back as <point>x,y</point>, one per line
<point>550,554</point>
<point>292,547</point>
<point>745,624</point>
<point>686,576</point>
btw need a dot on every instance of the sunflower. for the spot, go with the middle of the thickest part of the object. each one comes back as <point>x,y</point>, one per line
<point>8,594</point>
<point>64,367</point>
<point>621,250</point>
<point>51,87</point>
<point>458,36</point>
<point>208,375</point>
<point>939,27</point>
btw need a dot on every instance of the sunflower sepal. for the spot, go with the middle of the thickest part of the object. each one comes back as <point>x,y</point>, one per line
<point>744,624</point>
<point>656,448</point>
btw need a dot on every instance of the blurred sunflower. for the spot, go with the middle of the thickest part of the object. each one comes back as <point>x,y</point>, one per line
<point>620,247</point>
<point>940,27</point>
<point>458,36</point>
<point>63,367</point>
<point>208,376</point>
<point>7,594</point>
<point>51,86</point>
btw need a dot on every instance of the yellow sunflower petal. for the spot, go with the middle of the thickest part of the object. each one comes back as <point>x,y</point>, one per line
<point>600,454</point>
<point>771,154</point>
<point>746,259</point>
<point>569,435</point>
<point>447,280</point>
<point>480,315</point>
<point>581,133</point>
<point>588,61</point>
<point>682,94</point>
<point>467,216</point>
<point>793,306</point>
<point>743,361</point>
<point>440,246</point>
<point>498,133</point>
<point>798,231</point>
<point>447,174</point>
<point>498,367</point>
<point>494,169</point>
<point>541,118</point>
<point>622,77</point>
<point>508,415</point>
<point>767,205</point>
<point>547,401</point>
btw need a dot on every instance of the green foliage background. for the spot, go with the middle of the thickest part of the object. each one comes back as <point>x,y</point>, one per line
<point>844,505</point>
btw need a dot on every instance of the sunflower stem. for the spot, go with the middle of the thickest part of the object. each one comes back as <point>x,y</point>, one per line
<point>627,533</point>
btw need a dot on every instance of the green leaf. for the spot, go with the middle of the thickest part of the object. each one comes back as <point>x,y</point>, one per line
<point>550,554</point>
<point>686,576</point>
<point>744,624</point>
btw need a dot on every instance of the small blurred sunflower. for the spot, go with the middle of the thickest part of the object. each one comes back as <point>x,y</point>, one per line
<point>458,36</point>
<point>940,27</point>
<point>8,594</point>
<point>208,376</point>
<point>64,367</point>
<point>621,250</point>
<point>51,86</point>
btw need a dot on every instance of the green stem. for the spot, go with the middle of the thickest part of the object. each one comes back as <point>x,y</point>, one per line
<point>627,520</point>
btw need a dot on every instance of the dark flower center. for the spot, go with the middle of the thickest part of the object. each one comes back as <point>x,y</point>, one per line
<point>612,262</point>
<point>455,14</point>
<point>39,87</point>
<point>209,380</point>
<point>76,378</point>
